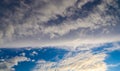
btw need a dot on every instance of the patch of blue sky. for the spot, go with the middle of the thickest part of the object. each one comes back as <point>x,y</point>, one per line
<point>113,61</point>
<point>113,57</point>
<point>47,54</point>
<point>116,68</point>
<point>8,53</point>
<point>25,66</point>
<point>101,48</point>
<point>35,54</point>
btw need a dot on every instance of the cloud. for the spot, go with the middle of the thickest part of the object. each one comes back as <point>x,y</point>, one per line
<point>77,59</point>
<point>34,53</point>
<point>114,65</point>
<point>80,62</point>
<point>1,35</point>
<point>9,32</point>
<point>8,65</point>
<point>97,18</point>
<point>83,58</point>
<point>43,22</point>
<point>116,46</point>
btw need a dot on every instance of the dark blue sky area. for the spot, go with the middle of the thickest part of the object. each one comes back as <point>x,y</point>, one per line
<point>46,54</point>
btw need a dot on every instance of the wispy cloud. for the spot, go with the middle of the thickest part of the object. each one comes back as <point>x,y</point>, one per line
<point>80,62</point>
<point>84,59</point>
<point>7,65</point>
<point>113,65</point>
<point>81,58</point>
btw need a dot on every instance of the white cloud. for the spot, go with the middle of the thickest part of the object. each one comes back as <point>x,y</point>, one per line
<point>116,46</point>
<point>113,65</point>
<point>83,60</point>
<point>70,44</point>
<point>23,54</point>
<point>34,53</point>
<point>8,64</point>
<point>80,4</point>
<point>80,62</point>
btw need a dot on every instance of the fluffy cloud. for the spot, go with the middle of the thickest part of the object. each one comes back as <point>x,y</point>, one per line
<point>8,64</point>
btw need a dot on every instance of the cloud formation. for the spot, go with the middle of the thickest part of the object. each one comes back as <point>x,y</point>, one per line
<point>65,21</point>
<point>88,57</point>
<point>85,58</point>
<point>7,65</point>
<point>80,62</point>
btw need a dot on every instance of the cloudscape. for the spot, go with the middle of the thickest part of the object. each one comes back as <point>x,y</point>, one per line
<point>59,35</point>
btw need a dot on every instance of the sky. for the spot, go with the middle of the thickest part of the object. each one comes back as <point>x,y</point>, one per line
<point>67,35</point>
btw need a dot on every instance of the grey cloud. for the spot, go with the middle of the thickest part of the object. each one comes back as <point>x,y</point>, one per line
<point>57,20</point>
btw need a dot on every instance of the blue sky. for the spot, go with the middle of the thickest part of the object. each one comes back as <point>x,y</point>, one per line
<point>113,59</point>
<point>55,54</point>
<point>51,54</point>
<point>63,35</point>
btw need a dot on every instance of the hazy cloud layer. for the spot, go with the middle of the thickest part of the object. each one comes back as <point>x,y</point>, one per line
<point>65,21</point>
